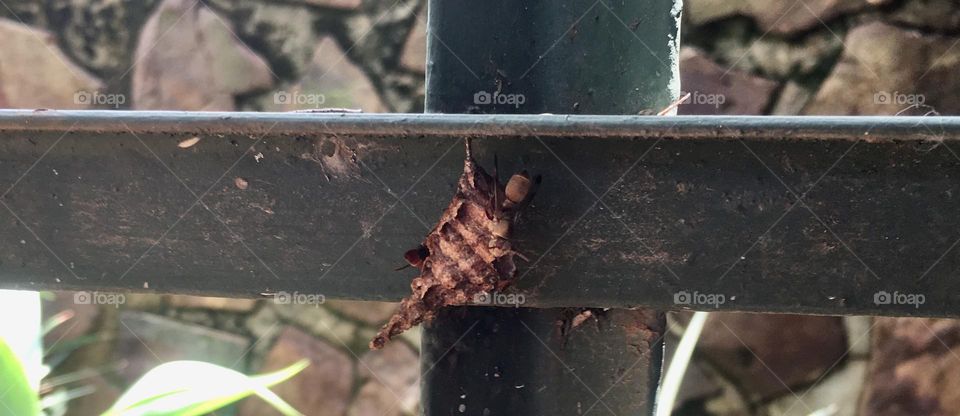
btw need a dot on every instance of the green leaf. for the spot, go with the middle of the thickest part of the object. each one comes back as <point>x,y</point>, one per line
<point>22,333</point>
<point>20,399</point>
<point>188,388</point>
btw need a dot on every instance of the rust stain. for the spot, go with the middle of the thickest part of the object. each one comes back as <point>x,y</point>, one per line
<point>639,325</point>
<point>655,257</point>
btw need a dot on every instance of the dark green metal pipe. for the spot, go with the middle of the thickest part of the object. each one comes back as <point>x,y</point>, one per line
<point>567,57</point>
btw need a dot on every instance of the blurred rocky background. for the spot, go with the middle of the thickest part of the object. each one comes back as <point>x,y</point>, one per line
<point>786,57</point>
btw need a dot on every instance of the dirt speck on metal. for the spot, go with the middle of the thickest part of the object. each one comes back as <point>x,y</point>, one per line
<point>241,184</point>
<point>188,143</point>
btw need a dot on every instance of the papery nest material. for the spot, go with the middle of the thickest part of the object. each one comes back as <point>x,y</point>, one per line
<point>468,253</point>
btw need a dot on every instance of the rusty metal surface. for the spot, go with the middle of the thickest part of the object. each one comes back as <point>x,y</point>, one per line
<point>760,211</point>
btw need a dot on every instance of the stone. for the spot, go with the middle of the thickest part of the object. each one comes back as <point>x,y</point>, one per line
<point>414,55</point>
<point>28,12</point>
<point>374,399</point>
<point>330,80</point>
<point>373,313</point>
<point>97,33</point>
<point>397,368</point>
<point>37,74</point>
<point>376,39</point>
<point>323,388</point>
<point>263,322</point>
<point>205,302</point>
<point>228,321</point>
<point>761,353</point>
<point>699,12</point>
<point>884,70</point>
<point>146,340</point>
<point>317,320</point>
<point>715,90</point>
<point>286,32</point>
<point>777,16</point>
<point>936,15</point>
<point>194,316</point>
<point>334,4</point>
<point>793,97</point>
<point>913,368</point>
<point>188,59</point>
<point>772,56</point>
<point>839,391</point>
<point>265,325</point>
<point>145,302</point>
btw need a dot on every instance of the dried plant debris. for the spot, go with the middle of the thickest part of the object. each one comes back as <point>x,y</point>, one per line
<point>468,252</point>
<point>188,143</point>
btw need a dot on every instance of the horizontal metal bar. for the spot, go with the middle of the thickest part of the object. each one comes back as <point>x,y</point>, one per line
<point>873,128</point>
<point>718,215</point>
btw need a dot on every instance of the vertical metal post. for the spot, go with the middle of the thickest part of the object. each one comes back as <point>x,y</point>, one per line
<point>565,57</point>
